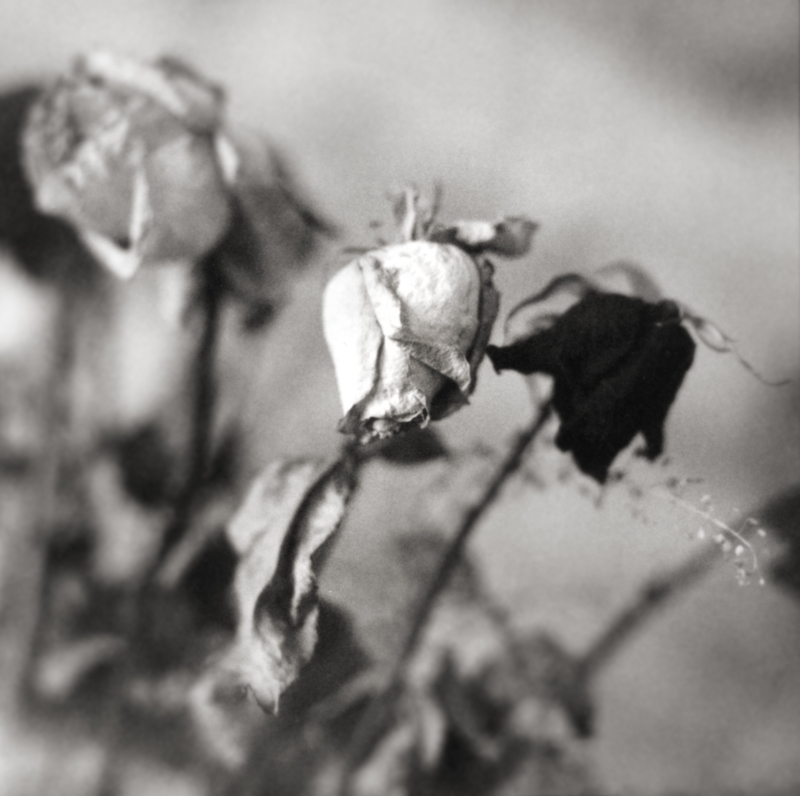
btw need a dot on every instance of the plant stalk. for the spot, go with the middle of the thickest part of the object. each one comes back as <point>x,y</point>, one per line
<point>369,728</point>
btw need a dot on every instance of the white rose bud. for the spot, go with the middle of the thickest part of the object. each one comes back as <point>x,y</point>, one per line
<point>407,326</point>
<point>130,154</point>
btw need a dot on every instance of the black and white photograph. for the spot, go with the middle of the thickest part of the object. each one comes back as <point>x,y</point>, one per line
<point>400,398</point>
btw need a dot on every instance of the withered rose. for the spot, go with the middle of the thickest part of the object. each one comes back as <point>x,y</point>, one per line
<point>407,325</point>
<point>131,154</point>
<point>617,363</point>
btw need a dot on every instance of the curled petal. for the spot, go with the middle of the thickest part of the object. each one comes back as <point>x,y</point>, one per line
<point>402,395</point>
<point>426,297</point>
<point>353,335</point>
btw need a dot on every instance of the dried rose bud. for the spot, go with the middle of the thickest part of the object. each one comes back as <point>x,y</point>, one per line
<point>617,363</point>
<point>407,326</point>
<point>129,154</point>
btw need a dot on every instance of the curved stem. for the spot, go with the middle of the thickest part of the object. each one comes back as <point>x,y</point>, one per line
<point>368,730</point>
<point>452,556</point>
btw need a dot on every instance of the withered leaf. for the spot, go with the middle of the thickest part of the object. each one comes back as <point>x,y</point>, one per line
<point>717,340</point>
<point>291,510</point>
<point>508,237</point>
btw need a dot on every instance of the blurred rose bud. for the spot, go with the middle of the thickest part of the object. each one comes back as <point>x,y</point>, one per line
<point>129,153</point>
<point>407,326</point>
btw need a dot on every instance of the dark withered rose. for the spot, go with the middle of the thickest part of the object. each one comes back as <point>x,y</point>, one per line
<point>617,363</point>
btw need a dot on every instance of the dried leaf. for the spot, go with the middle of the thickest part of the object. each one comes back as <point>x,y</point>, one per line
<point>638,282</point>
<point>540,311</point>
<point>274,230</point>
<point>292,509</point>
<point>509,237</point>
<point>714,338</point>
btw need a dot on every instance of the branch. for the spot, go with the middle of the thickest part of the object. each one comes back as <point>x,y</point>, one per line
<point>368,730</point>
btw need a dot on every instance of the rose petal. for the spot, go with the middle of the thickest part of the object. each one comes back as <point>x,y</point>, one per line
<point>353,335</point>
<point>402,395</point>
<point>426,296</point>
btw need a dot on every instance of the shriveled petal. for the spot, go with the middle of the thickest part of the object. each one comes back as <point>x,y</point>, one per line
<point>403,393</point>
<point>353,335</point>
<point>427,297</point>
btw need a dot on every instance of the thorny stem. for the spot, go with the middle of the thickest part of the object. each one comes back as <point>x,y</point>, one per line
<point>453,554</point>
<point>367,732</point>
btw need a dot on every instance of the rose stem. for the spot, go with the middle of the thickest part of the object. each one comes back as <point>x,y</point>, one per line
<point>137,612</point>
<point>367,731</point>
<point>651,597</point>
<point>203,399</point>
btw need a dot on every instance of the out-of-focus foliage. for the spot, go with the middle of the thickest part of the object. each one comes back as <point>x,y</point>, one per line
<point>781,514</point>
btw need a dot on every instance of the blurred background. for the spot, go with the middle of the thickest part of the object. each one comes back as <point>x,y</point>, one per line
<point>660,133</point>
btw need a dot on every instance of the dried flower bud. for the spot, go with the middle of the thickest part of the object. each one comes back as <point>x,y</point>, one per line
<point>617,364</point>
<point>407,326</point>
<point>128,153</point>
